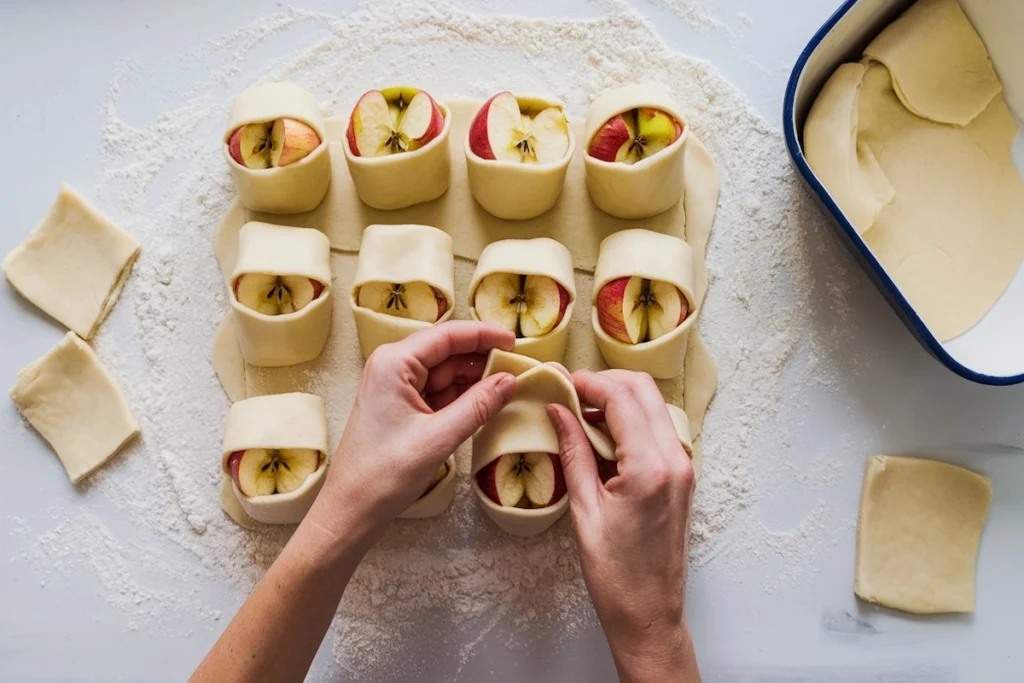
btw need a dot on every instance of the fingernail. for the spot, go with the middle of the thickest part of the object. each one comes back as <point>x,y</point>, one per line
<point>506,385</point>
<point>556,419</point>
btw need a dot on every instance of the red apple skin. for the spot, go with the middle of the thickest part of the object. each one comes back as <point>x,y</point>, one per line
<point>350,136</point>
<point>609,310</point>
<point>488,482</point>
<point>318,288</point>
<point>442,304</point>
<point>563,303</point>
<point>684,310</point>
<point>479,143</point>
<point>609,139</point>
<point>436,122</point>
<point>235,146</point>
<point>560,488</point>
<point>234,460</point>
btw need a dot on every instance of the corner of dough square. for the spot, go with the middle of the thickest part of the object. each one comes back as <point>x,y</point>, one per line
<point>73,264</point>
<point>74,403</point>
<point>918,533</point>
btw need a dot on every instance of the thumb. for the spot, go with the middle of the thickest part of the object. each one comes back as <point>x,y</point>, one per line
<point>455,423</point>
<point>578,461</point>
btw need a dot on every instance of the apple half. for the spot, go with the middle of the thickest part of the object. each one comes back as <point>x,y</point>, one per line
<point>529,305</point>
<point>634,310</point>
<point>265,471</point>
<point>503,131</point>
<point>272,144</point>
<point>411,300</point>
<point>523,480</point>
<point>634,135</point>
<point>276,294</point>
<point>392,121</point>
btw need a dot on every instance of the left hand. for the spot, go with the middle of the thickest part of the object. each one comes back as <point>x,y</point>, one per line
<point>419,399</point>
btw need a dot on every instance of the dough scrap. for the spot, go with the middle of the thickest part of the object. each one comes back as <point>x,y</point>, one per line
<point>73,264</point>
<point>294,420</point>
<point>940,68</point>
<point>952,239</point>
<point>847,168</point>
<point>75,404</point>
<point>400,254</point>
<point>918,534</point>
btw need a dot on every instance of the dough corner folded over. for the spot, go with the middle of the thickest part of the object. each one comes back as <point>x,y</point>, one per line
<point>918,533</point>
<point>75,404</point>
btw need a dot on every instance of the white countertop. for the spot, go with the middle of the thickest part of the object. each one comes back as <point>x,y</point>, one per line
<point>59,59</point>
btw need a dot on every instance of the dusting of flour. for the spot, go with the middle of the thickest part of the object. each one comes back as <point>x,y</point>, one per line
<point>165,180</point>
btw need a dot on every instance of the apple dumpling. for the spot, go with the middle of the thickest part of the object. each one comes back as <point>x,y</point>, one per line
<point>516,473</point>
<point>396,146</point>
<point>404,282</point>
<point>644,304</point>
<point>634,159</point>
<point>438,495</point>
<point>276,148</point>
<point>517,152</point>
<point>527,287</point>
<point>280,294</point>
<point>275,455</point>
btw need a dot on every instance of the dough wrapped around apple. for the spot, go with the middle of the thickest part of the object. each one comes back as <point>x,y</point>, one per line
<point>275,145</point>
<point>404,282</point>
<point>517,152</point>
<point>396,146</point>
<point>644,304</point>
<point>275,456</point>
<point>634,156</point>
<point>526,286</point>
<point>281,294</point>
<point>516,472</point>
<point>438,495</point>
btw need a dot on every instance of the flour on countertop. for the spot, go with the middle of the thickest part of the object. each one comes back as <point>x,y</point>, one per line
<point>165,180</point>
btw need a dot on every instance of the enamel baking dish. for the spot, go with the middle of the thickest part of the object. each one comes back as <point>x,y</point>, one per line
<point>992,352</point>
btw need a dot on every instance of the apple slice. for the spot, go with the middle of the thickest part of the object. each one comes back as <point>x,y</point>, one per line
<point>502,131</point>
<point>496,300</point>
<point>618,311</point>
<point>656,130</point>
<point>667,309</point>
<point>264,471</point>
<point>253,145</point>
<point>421,122</point>
<point>614,140</point>
<point>413,300</point>
<point>530,480</point>
<point>291,141</point>
<point>544,304</point>
<point>276,294</point>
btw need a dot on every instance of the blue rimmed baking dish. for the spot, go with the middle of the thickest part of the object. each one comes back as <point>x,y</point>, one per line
<point>992,352</point>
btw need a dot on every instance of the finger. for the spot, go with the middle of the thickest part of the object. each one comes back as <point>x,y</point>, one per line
<point>455,423</point>
<point>654,407</point>
<point>432,346</point>
<point>623,414</point>
<point>578,464</point>
<point>445,397</point>
<point>463,369</point>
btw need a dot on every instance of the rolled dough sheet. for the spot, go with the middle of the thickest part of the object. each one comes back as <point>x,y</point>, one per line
<point>574,221</point>
<point>953,237</point>
<point>918,534</point>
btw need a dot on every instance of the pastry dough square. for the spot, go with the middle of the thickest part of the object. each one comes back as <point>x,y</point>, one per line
<point>73,264</point>
<point>74,403</point>
<point>918,533</point>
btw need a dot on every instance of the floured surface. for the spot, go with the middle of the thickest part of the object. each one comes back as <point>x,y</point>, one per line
<point>482,595</point>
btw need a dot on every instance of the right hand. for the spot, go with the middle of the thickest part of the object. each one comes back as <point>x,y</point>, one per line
<point>633,530</point>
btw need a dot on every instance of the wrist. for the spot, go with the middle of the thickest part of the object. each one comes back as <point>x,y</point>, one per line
<point>341,525</point>
<point>655,654</point>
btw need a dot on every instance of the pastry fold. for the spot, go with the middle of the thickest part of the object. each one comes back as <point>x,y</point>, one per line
<point>651,185</point>
<point>437,499</point>
<point>654,256</point>
<point>277,421</point>
<point>400,254</point>
<point>539,256</point>
<point>290,338</point>
<point>523,426</point>
<point>294,188</point>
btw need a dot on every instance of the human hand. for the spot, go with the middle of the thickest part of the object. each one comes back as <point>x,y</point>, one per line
<point>419,399</point>
<point>633,530</point>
